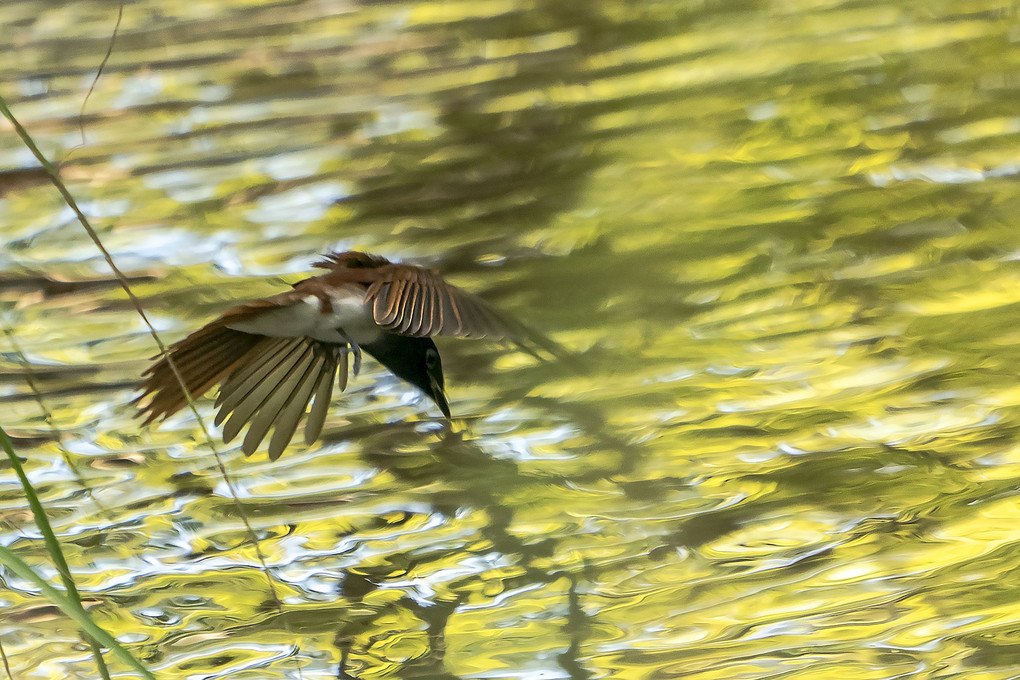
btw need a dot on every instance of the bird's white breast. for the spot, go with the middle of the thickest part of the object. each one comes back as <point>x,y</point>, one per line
<point>306,319</point>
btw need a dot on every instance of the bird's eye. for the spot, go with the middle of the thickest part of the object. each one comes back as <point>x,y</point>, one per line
<point>431,358</point>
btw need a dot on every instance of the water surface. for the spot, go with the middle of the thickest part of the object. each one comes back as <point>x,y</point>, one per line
<point>781,238</point>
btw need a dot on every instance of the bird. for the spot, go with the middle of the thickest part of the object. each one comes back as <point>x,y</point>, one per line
<point>274,355</point>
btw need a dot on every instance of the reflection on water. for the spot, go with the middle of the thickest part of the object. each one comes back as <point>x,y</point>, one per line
<point>780,237</point>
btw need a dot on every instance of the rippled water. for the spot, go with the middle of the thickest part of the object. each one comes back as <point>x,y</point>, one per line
<point>781,237</point>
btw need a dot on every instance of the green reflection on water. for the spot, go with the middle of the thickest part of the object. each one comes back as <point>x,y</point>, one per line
<point>780,235</point>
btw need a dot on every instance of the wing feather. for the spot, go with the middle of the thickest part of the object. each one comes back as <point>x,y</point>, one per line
<point>323,397</point>
<point>416,319</point>
<point>282,393</point>
<point>344,370</point>
<point>404,302</point>
<point>203,359</point>
<point>261,391</point>
<point>265,355</point>
<point>287,419</point>
<point>412,301</point>
<point>248,377</point>
<point>429,322</point>
<point>392,311</point>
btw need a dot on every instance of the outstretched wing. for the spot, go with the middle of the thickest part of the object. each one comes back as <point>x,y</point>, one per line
<point>266,381</point>
<point>273,387</point>
<point>417,302</point>
<point>203,359</point>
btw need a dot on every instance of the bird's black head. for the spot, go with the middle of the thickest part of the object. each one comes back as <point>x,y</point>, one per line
<point>415,360</point>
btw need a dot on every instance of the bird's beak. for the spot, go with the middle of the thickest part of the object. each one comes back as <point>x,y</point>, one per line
<point>439,396</point>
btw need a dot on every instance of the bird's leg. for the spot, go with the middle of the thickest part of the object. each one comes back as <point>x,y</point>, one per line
<point>353,349</point>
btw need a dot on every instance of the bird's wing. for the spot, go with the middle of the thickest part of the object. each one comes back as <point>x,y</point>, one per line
<point>414,301</point>
<point>266,381</point>
<point>410,300</point>
<point>273,389</point>
<point>203,359</point>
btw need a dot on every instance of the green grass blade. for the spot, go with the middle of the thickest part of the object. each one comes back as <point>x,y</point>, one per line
<point>73,609</point>
<point>137,304</point>
<point>72,599</point>
<point>41,521</point>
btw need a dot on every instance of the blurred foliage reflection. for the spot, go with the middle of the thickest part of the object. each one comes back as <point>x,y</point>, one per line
<point>780,235</point>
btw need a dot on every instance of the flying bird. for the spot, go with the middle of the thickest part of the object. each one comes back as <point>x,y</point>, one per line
<point>275,355</point>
